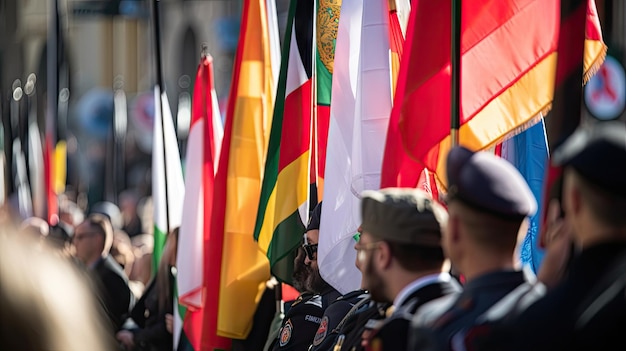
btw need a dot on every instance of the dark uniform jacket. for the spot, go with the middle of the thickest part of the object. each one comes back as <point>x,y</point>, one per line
<point>587,311</point>
<point>448,320</point>
<point>391,333</point>
<point>113,290</point>
<point>302,320</point>
<point>331,324</point>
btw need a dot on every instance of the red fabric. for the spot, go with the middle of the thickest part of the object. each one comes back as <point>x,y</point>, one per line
<point>396,38</point>
<point>499,44</point>
<point>296,123</point>
<point>323,122</point>
<point>289,293</point>
<point>200,325</point>
<point>48,164</point>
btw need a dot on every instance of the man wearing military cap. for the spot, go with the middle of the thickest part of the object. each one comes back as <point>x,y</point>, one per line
<point>400,256</point>
<point>488,202</point>
<point>587,309</point>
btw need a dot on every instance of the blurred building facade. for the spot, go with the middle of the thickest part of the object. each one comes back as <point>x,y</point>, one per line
<point>110,44</point>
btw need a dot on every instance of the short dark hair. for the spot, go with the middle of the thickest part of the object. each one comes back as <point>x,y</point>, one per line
<point>607,207</point>
<point>415,258</point>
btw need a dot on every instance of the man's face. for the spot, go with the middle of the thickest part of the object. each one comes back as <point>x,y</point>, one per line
<point>372,280</point>
<point>88,241</point>
<point>300,271</point>
<point>314,281</point>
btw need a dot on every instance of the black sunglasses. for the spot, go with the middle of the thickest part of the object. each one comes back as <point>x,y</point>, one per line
<point>310,250</point>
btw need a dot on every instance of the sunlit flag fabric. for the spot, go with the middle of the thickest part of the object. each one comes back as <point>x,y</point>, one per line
<point>528,152</point>
<point>195,237</point>
<point>244,268</point>
<point>167,176</point>
<point>508,67</point>
<point>326,26</point>
<point>362,98</point>
<point>283,208</point>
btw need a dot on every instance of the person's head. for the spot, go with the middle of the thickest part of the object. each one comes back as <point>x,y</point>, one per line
<point>488,203</point>
<point>35,227</point>
<point>46,302</point>
<point>594,189</point>
<point>60,239</point>
<point>314,282</point>
<point>112,211</point>
<point>93,238</point>
<point>70,214</point>
<point>128,201</point>
<point>122,251</point>
<point>400,239</point>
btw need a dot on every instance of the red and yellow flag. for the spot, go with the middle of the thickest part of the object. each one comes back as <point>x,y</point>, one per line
<point>508,69</point>
<point>244,268</point>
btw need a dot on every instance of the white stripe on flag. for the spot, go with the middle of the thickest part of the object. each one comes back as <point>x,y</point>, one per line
<point>175,186</point>
<point>361,104</point>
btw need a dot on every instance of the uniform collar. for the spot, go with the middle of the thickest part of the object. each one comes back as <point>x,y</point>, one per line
<point>404,294</point>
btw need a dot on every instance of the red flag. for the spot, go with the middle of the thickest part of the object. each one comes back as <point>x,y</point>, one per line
<point>197,258</point>
<point>508,50</point>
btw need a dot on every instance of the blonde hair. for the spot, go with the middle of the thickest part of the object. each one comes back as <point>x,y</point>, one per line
<point>45,301</point>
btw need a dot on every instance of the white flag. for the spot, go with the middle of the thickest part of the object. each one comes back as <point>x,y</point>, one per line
<point>359,116</point>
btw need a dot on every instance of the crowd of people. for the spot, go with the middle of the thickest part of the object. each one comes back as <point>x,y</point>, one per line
<point>437,274</point>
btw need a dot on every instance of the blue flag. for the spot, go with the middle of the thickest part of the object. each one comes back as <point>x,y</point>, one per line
<point>528,152</point>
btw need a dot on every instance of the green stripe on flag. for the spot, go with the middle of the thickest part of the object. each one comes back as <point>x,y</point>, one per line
<point>270,176</point>
<point>157,251</point>
<point>281,252</point>
<point>324,82</point>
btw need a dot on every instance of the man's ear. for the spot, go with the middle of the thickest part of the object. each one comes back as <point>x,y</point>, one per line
<point>454,229</point>
<point>383,254</point>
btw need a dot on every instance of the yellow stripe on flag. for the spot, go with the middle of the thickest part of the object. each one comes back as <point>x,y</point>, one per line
<point>287,175</point>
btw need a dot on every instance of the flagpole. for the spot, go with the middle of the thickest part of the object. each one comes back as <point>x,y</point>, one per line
<point>52,112</point>
<point>455,51</point>
<point>159,82</point>
<point>565,115</point>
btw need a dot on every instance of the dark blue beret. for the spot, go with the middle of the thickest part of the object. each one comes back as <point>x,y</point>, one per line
<point>316,216</point>
<point>598,153</point>
<point>488,183</point>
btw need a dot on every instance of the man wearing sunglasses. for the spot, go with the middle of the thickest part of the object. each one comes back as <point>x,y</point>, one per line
<point>303,318</point>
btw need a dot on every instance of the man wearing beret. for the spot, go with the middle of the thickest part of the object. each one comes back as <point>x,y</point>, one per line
<point>305,314</point>
<point>400,256</point>
<point>488,202</point>
<point>587,309</point>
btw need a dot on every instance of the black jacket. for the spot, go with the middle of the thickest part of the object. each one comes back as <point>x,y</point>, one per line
<point>112,286</point>
<point>151,334</point>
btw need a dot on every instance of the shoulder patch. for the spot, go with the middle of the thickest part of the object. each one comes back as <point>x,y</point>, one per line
<point>321,332</point>
<point>285,333</point>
